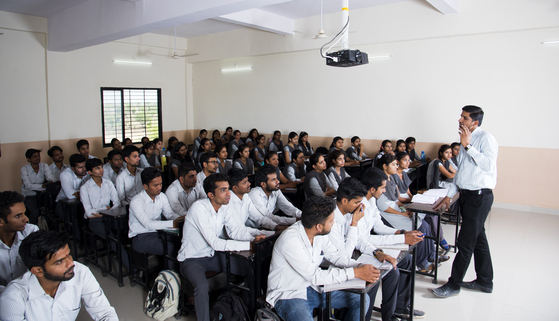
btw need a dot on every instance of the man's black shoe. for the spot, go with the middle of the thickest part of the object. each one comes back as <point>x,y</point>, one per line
<point>417,314</point>
<point>473,285</point>
<point>445,291</point>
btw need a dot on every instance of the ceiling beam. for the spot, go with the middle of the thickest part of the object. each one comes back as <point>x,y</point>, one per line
<point>262,20</point>
<point>445,6</point>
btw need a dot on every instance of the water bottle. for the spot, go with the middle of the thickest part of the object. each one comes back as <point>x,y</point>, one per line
<point>423,157</point>
<point>163,157</point>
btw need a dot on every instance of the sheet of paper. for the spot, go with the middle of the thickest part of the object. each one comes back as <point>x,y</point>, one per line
<point>369,259</point>
<point>424,199</point>
<point>349,284</point>
<point>398,247</point>
<point>437,192</point>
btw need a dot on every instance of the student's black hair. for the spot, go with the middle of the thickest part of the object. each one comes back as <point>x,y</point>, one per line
<point>295,154</point>
<point>354,138</point>
<point>185,168</point>
<point>218,133</point>
<point>113,153</point>
<point>301,135</point>
<point>454,145</point>
<point>90,164</point>
<point>276,132</point>
<point>206,158</point>
<point>335,140</point>
<point>147,145</point>
<point>269,155</point>
<point>39,247</point>
<point>210,182</point>
<point>236,175</point>
<point>75,159</point>
<point>316,210</point>
<point>241,148</point>
<point>51,150</point>
<point>350,188</point>
<point>373,177</point>
<point>332,157</point>
<point>175,153</point>
<point>384,142</point>
<point>149,174</point>
<point>202,143</point>
<point>145,137</point>
<point>219,148</point>
<point>228,127</point>
<point>236,131</point>
<point>126,140</point>
<point>128,150</point>
<point>250,134</point>
<point>313,160</point>
<point>401,141</point>
<point>202,131</point>
<point>291,136</point>
<point>260,136</point>
<point>155,141</point>
<point>170,142</point>
<point>476,113</point>
<point>262,174</point>
<point>385,160</point>
<point>81,142</point>
<point>442,149</point>
<point>410,140</point>
<point>113,141</point>
<point>29,153</point>
<point>401,155</point>
<point>7,200</point>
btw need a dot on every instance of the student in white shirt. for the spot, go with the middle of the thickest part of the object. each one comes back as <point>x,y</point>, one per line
<point>203,241</point>
<point>295,273</point>
<point>208,162</point>
<point>184,191</point>
<point>113,166</point>
<point>54,286</point>
<point>34,176</point>
<point>83,148</point>
<point>129,180</point>
<point>268,198</point>
<point>71,180</point>
<point>98,194</point>
<point>57,165</point>
<point>14,228</point>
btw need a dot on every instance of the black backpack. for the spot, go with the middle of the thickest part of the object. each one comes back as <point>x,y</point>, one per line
<point>229,307</point>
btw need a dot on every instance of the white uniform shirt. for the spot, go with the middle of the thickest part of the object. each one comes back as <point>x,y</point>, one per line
<point>267,206</point>
<point>243,213</point>
<point>128,185</point>
<point>110,174</point>
<point>180,199</point>
<point>367,243</point>
<point>31,180</point>
<point>95,198</point>
<point>25,299</point>
<point>56,172</point>
<point>295,265</point>
<point>11,265</point>
<point>203,232</point>
<point>145,214</point>
<point>342,235</point>
<point>71,184</point>
<point>200,177</point>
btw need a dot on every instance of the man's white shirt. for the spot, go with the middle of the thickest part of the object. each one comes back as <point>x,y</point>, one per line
<point>242,213</point>
<point>109,173</point>
<point>70,184</point>
<point>31,180</point>
<point>56,172</point>
<point>267,206</point>
<point>182,200</point>
<point>145,214</point>
<point>96,198</point>
<point>128,185</point>
<point>11,265</point>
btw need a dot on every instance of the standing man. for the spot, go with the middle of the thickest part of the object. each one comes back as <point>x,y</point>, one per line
<point>475,179</point>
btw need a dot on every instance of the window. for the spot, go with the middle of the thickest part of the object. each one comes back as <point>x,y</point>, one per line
<point>130,113</point>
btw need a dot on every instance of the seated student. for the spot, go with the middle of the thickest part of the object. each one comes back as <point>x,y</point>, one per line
<point>272,158</point>
<point>244,213</point>
<point>57,165</point>
<point>355,151</point>
<point>158,143</point>
<point>216,139</point>
<point>144,220</point>
<point>336,172</point>
<point>70,181</point>
<point>252,139</point>
<point>83,148</point>
<point>401,146</point>
<point>260,151</point>
<point>228,136</point>
<point>292,144</point>
<point>209,166</point>
<point>401,178</point>
<point>455,151</point>
<point>295,171</point>
<point>276,145</point>
<point>316,181</point>
<point>338,144</point>
<point>171,142</point>
<point>178,157</point>
<point>295,275</point>
<point>34,175</point>
<point>14,228</point>
<point>129,180</point>
<point>242,160</point>
<point>223,166</point>
<point>115,144</point>
<point>197,142</point>
<point>385,148</point>
<point>113,166</point>
<point>127,142</point>
<point>96,195</point>
<point>184,191</point>
<point>304,144</point>
<point>268,199</point>
<point>205,147</point>
<point>148,158</point>
<point>234,143</point>
<point>410,144</point>
<point>145,140</point>
<point>440,173</point>
<point>204,242</point>
<point>54,286</point>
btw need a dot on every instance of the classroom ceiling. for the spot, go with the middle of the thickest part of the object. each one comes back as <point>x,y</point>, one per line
<point>75,24</point>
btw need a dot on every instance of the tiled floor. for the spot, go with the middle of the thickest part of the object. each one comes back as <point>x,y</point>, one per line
<point>526,284</point>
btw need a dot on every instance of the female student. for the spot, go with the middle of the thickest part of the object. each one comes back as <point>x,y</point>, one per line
<point>235,143</point>
<point>338,144</point>
<point>316,182</point>
<point>243,161</point>
<point>296,170</point>
<point>115,144</point>
<point>276,145</point>
<point>252,139</point>
<point>385,148</point>
<point>158,143</point>
<point>401,146</point>
<point>179,156</point>
<point>197,142</point>
<point>171,142</point>
<point>127,142</point>
<point>355,151</point>
<point>148,157</point>
<point>228,135</point>
<point>410,144</point>
<point>260,151</point>
<point>292,144</point>
<point>401,178</point>
<point>304,144</point>
<point>272,159</point>
<point>205,146</point>
<point>455,151</point>
<point>216,139</point>
<point>336,172</point>
<point>223,166</point>
<point>440,173</point>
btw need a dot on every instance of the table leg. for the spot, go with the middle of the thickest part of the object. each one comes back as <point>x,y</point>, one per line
<point>119,253</point>
<point>109,239</point>
<point>362,307</point>
<point>163,237</point>
<point>439,227</point>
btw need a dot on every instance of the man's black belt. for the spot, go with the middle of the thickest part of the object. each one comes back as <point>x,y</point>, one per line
<point>477,191</point>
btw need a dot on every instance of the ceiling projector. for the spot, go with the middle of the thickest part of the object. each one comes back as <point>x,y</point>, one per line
<point>347,58</point>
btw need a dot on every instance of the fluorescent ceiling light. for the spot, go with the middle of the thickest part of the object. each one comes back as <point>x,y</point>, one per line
<point>550,42</point>
<point>236,68</point>
<point>132,62</point>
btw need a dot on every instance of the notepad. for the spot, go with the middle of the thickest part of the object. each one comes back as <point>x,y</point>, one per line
<point>424,199</point>
<point>437,192</point>
<point>349,284</point>
<point>399,247</point>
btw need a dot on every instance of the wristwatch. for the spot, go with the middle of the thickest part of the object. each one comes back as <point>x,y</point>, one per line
<point>377,251</point>
<point>402,231</point>
<point>468,147</point>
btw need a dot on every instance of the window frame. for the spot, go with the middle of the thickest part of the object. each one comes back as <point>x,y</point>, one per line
<point>122,89</point>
